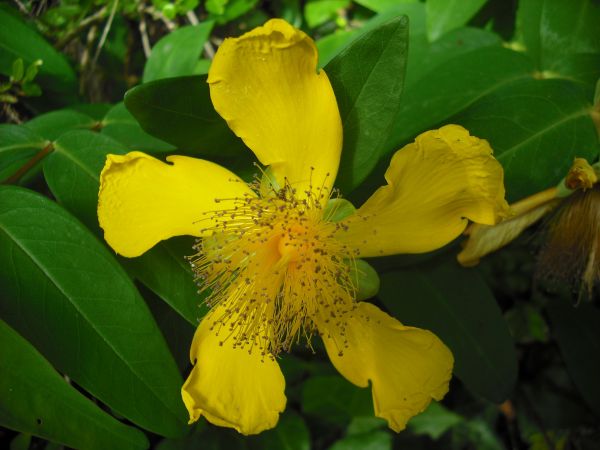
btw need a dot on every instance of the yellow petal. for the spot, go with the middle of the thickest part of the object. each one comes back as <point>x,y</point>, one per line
<point>265,84</point>
<point>143,200</point>
<point>407,366</point>
<point>232,387</point>
<point>485,239</point>
<point>435,186</point>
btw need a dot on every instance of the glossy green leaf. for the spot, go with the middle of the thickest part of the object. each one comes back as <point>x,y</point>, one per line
<point>332,44</point>
<point>456,304</point>
<point>291,433</point>
<point>577,332</point>
<point>446,15</point>
<point>72,172</point>
<point>452,87</point>
<point>177,53</point>
<point>19,40</point>
<point>17,145</point>
<point>563,38</point>
<point>381,5</point>
<point>165,271</point>
<point>35,399</point>
<point>426,57</point>
<point>180,112</point>
<point>68,296</point>
<point>334,400</point>
<point>536,128</point>
<point>232,9</point>
<point>53,124</point>
<point>371,440</point>
<point>367,78</point>
<point>120,125</point>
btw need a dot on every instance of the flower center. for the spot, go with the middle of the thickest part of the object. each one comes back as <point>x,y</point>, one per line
<point>271,268</point>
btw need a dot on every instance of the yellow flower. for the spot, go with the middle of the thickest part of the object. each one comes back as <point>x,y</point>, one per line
<point>276,268</point>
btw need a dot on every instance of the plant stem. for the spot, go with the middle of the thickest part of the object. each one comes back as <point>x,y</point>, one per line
<point>15,177</point>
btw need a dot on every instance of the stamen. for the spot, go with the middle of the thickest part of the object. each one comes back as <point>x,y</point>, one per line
<point>271,267</point>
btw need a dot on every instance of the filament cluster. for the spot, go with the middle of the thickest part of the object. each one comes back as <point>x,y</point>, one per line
<point>272,269</point>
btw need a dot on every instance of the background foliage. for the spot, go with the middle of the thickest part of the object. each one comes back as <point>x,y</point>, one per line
<point>93,347</point>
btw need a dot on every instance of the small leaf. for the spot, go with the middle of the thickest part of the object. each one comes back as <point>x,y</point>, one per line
<point>31,89</point>
<point>35,399</point>
<point>434,421</point>
<point>459,308</point>
<point>367,279</point>
<point>562,38</point>
<point>577,331</point>
<point>371,440</point>
<point>444,15</point>
<point>120,125</point>
<point>367,78</point>
<point>177,53</point>
<point>64,292</point>
<point>19,40</point>
<point>18,70</point>
<point>318,12</point>
<point>32,70</point>
<point>18,144</point>
<point>180,112</point>
<point>53,124</point>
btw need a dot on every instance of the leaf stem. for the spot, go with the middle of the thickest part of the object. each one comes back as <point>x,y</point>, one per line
<point>15,177</point>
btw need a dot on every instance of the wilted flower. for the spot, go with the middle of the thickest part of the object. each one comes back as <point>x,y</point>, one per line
<point>571,251</point>
<point>276,258</point>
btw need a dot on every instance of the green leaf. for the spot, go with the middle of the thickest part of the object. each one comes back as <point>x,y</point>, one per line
<point>53,124</point>
<point>446,15</point>
<point>334,400</point>
<point>31,90</point>
<point>180,112</point>
<point>563,38</point>
<point>18,70</point>
<point>456,304</point>
<point>452,87</point>
<point>17,146</point>
<point>334,43</point>
<point>367,279</point>
<point>120,125</point>
<point>424,57</point>
<point>577,332</point>
<point>232,10</point>
<point>291,433</point>
<point>19,40</point>
<point>536,128</point>
<point>367,78</point>
<point>68,296</point>
<point>166,272</point>
<point>177,53</point>
<point>317,12</point>
<point>434,421</point>
<point>72,172</point>
<point>371,440</point>
<point>381,5</point>
<point>35,399</point>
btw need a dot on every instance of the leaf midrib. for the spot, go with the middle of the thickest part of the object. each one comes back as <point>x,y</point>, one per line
<point>75,306</point>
